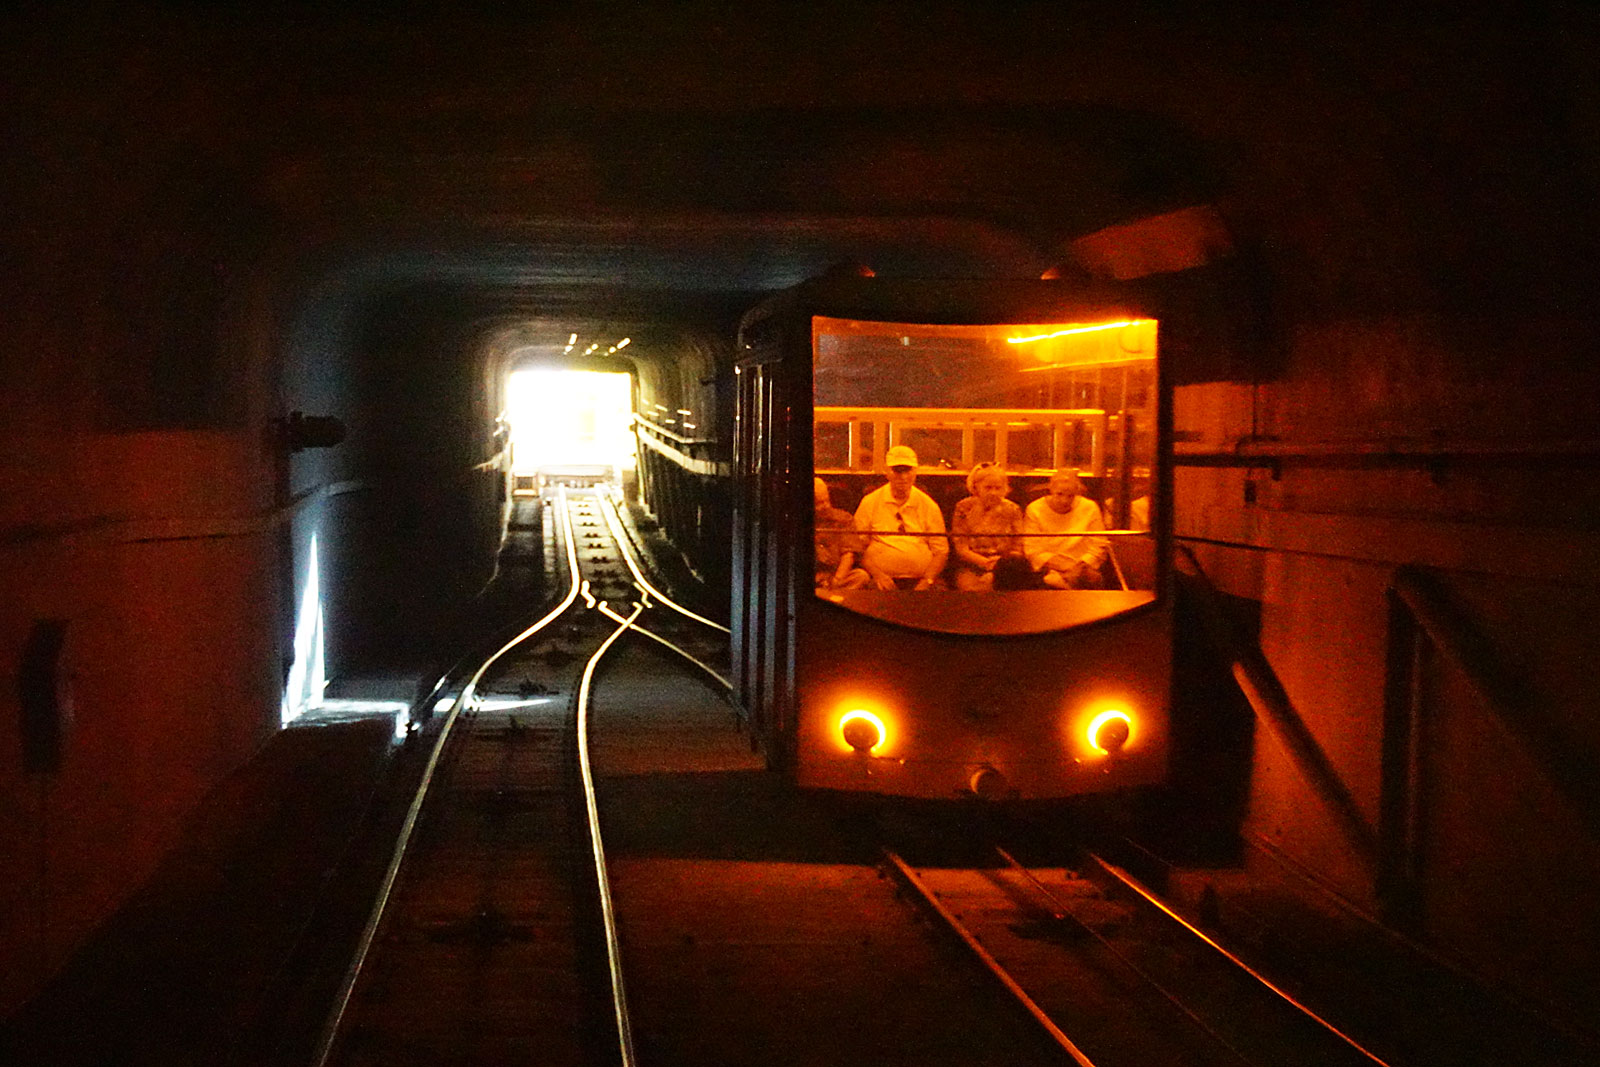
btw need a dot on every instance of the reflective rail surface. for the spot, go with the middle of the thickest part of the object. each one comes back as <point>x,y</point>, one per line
<point>1106,982</point>
<point>619,995</point>
<point>460,772</point>
<point>1200,935</point>
<point>336,1016</point>
<point>956,926</point>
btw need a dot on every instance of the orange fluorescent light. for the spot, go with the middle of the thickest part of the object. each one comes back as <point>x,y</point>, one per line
<point>1072,330</point>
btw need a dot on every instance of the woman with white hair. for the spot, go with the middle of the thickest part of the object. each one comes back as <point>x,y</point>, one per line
<point>984,528</point>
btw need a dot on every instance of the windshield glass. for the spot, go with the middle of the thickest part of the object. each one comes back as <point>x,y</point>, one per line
<point>984,479</point>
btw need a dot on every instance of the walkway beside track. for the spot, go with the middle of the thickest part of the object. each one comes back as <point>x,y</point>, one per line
<point>189,966</point>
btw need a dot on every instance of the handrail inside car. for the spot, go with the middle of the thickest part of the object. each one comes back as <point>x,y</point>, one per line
<point>890,423</point>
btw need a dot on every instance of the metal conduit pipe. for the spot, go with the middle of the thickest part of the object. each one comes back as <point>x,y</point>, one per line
<point>1271,704</point>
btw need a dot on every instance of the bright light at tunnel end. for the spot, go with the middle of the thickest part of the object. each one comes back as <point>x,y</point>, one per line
<point>562,417</point>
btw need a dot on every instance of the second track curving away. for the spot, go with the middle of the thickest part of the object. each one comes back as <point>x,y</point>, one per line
<point>493,932</point>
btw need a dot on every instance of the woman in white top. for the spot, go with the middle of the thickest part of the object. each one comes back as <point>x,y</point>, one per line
<point>1058,548</point>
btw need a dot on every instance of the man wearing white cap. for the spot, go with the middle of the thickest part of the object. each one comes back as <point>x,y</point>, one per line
<point>906,546</point>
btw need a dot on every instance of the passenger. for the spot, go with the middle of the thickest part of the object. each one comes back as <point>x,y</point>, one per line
<point>1139,513</point>
<point>1138,509</point>
<point>838,545</point>
<point>1064,558</point>
<point>984,529</point>
<point>906,547</point>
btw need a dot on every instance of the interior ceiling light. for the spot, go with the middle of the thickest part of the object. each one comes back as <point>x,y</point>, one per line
<point>1071,330</point>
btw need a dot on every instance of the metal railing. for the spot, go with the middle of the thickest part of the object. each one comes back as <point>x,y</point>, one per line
<point>890,425</point>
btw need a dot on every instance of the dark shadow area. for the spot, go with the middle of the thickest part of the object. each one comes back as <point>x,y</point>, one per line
<point>1196,817</point>
<point>750,816</point>
<point>756,816</point>
<point>193,962</point>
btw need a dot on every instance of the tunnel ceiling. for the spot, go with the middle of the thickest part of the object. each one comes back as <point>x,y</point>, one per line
<point>646,260</point>
<point>531,284</point>
<point>566,168</point>
<point>640,217</point>
<point>1041,171</point>
<point>624,271</point>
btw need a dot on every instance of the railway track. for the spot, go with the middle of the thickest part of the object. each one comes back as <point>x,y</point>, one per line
<point>1114,975</point>
<point>493,935</point>
<point>1423,1007</point>
<point>721,917</point>
<point>497,935</point>
<point>737,924</point>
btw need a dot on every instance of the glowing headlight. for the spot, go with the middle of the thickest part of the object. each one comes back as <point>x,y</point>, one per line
<point>988,783</point>
<point>862,730</point>
<point>1109,731</point>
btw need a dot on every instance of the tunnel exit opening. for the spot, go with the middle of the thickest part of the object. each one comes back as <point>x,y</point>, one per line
<point>569,425</point>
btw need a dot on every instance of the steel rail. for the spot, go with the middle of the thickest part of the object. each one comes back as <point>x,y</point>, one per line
<point>614,524</point>
<point>369,933</point>
<point>1135,886</point>
<point>1059,912</point>
<point>719,679</point>
<point>1021,995</point>
<point>619,995</point>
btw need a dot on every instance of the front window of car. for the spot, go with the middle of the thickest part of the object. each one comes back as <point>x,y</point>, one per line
<point>985,478</point>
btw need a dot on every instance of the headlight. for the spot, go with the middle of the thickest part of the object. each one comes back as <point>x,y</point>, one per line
<point>988,783</point>
<point>1109,731</point>
<point>862,730</point>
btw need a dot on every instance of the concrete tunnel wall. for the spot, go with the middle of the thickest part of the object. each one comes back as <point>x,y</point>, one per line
<point>686,390</point>
<point>406,509</point>
<point>1411,207</point>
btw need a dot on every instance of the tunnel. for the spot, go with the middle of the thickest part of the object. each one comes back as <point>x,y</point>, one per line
<point>269,275</point>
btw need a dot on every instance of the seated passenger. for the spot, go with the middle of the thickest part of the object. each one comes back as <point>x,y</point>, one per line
<point>1064,558</point>
<point>1139,513</point>
<point>984,528</point>
<point>1138,510</point>
<point>906,547</point>
<point>838,545</point>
